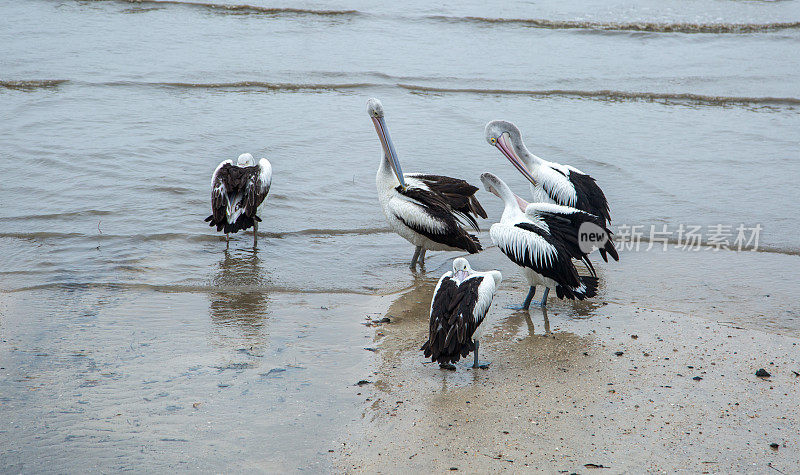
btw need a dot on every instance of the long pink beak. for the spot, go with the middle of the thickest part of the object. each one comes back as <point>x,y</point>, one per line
<point>523,205</point>
<point>507,150</point>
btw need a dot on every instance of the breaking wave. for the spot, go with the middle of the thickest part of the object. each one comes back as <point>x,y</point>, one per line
<point>243,9</point>
<point>611,95</point>
<point>652,27</point>
<point>26,85</point>
<point>251,85</point>
<point>600,94</point>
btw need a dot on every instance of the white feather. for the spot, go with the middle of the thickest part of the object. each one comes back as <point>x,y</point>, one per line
<point>550,182</point>
<point>533,209</point>
<point>486,291</point>
<point>265,175</point>
<point>521,243</point>
<point>413,182</point>
<point>414,214</point>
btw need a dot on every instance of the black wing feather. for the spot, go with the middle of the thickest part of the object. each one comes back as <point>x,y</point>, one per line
<point>565,228</point>
<point>590,197</point>
<point>437,207</point>
<point>452,322</point>
<point>458,194</point>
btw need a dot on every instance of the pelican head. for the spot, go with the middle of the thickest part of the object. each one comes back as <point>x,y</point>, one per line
<point>245,160</point>
<point>375,111</point>
<point>374,108</point>
<point>492,183</point>
<point>461,269</point>
<point>507,138</point>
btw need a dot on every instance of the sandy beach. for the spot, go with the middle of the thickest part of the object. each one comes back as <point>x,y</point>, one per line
<point>602,388</point>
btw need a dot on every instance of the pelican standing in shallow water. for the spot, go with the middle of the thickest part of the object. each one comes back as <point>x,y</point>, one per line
<point>460,303</point>
<point>426,210</point>
<point>551,182</point>
<point>542,238</point>
<point>237,193</point>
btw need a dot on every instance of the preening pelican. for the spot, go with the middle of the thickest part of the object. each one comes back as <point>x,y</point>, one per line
<point>460,303</point>
<point>429,211</point>
<point>543,239</point>
<point>237,193</point>
<point>551,182</point>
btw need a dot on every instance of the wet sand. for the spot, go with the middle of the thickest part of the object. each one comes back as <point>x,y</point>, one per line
<point>631,387</point>
<point>105,379</point>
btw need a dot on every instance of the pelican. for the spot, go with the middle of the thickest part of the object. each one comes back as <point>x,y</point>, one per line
<point>428,211</point>
<point>460,303</point>
<point>551,182</point>
<point>237,193</point>
<point>543,239</point>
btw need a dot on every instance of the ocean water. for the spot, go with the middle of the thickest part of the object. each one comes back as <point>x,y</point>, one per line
<point>116,113</point>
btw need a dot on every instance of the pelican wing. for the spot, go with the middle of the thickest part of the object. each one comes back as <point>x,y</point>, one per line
<point>486,291</point>
<point>554,181</point>
<point>215,175</point>
<point>458,194</point>
<point>564,223</point>
<point>590,197</point>
<point>258,184</point>
<point>530,245</point>
<point>219,195</point>
<point>453,318</point>
<point>428,213</point>
<point>569,186</point>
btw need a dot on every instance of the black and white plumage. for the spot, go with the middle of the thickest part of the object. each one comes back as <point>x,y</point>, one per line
<point>429,211</point>
<point>551,182</point>
<point>460,304</point>
<point>237,193</point>
<point>543,239</point>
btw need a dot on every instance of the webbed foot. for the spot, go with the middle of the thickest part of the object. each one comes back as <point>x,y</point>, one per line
<point>516,307</point>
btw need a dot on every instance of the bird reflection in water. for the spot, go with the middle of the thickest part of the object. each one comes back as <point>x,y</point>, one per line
<point>580,310</point>
<point>532,313</point>
<point>239,299</point>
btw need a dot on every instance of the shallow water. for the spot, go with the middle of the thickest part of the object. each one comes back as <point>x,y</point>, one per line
<point>117,112</point>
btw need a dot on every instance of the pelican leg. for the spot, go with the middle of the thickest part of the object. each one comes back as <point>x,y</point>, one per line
<point>416,256</point>
<point>479,364</point>
<point>543,302</point>
<point>227,240</point>
<point>255,233</point>
<point>422,257</point>
<point>528,298</point>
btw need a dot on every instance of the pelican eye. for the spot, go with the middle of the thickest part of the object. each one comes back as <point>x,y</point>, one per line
<point>494,140</point>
